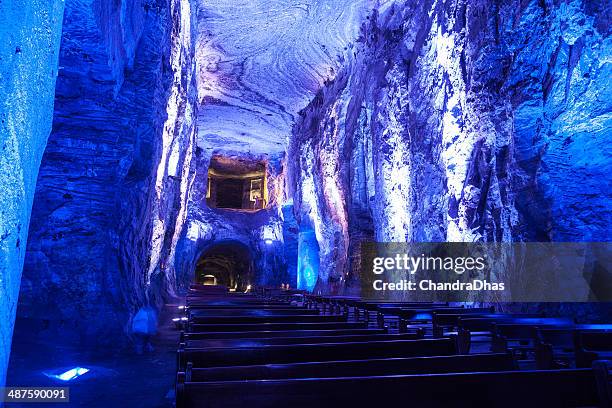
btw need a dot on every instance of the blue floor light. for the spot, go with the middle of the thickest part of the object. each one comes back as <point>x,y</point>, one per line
<point>70,374</point>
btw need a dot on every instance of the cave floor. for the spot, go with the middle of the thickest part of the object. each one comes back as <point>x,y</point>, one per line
<point>118,378</point>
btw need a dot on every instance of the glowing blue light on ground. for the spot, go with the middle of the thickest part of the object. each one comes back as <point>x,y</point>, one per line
<point>70,374</point>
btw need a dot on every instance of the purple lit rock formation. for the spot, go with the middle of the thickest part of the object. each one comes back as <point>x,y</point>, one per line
<point>460,121</point>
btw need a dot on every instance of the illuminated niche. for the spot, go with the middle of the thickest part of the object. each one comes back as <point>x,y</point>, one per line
<point>236,183</point>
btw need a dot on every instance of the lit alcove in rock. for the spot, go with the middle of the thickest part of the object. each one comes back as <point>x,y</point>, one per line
<point>236,184</point>
<point>155,148</point>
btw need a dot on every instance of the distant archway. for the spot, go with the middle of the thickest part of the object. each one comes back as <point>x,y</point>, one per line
<point>227,263</point>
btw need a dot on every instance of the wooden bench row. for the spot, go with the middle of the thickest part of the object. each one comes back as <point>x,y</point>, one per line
<point>327,332</point>
<point>296,353</point>
<point>267,318</point>
<point>251,311</point>
<point>275,326</point>
<point>269,341</point>
<point>556,346</point>
<point>356,368</point>
<point>504,389</point>
<point>240,351</point>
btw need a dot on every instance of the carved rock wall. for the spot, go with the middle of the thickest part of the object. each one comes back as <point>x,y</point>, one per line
<point>115,171</point>
<point>459,121</point>
<point>29,49</point>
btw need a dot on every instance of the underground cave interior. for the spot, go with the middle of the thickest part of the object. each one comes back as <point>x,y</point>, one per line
<point>162,143</point>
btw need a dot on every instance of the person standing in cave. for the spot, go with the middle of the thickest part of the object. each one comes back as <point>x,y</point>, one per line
<point>144,326</point>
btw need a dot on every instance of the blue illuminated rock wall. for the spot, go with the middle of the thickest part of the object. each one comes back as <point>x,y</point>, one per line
<point>29,49</point>
<point>108,176</point>
<point>460,121</point>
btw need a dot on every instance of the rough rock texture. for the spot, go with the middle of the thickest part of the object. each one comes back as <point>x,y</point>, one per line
<point>460,121</point>
<point>29,49</point>
<point>259,62</point>
<point>112,180</point>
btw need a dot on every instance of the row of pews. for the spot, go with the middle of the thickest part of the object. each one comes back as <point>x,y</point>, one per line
<point>298,350</point>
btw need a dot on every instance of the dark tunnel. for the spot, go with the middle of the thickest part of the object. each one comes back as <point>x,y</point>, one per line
<point>227,263</point>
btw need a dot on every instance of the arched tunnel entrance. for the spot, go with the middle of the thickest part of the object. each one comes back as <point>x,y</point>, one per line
<point>227,263</point>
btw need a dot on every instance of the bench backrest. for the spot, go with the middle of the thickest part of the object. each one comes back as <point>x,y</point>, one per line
<point>486,324</point>
<point>275,326</point>
<point>280,333</point>
<point>255,342</point>
<point>519,331</point>
<point>357,368</point>
<point>399,310</point>
<point>564,337</point>
<point>554,388</point>
<point>442,318</point>
<point>595,340</point>
<point>206,307</point>
<point>405,305</point>
<point>199,319</point>
<point>427,314</point>
<point>223,357</point>
<point>252,312</point>
<point>222,302</point>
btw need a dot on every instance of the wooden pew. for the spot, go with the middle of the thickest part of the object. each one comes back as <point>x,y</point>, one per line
<point>281,333</point>
<point>356,368</point>
<point>198,319</point>
<point>385,310</point>
<point>252,312</point>
<point>555,347</point>
<point>239,307</point>
<point>420,316</point>
<point>519,334</point>
<point>193,294</point>
<point>257,342</point>
<point>390,309</point>
<point>484,326</point>
<point>368,306</point>
<point>332,303</point>
<point>225,302</point>
<point>552,388</point>
<point>283,354</point>
<point>442,321</point>
<point>275,326</point>
<point>592,345</point>
<point>207,319</point>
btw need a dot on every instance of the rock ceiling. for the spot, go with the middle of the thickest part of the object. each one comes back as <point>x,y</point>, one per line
<point>259,62</point>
